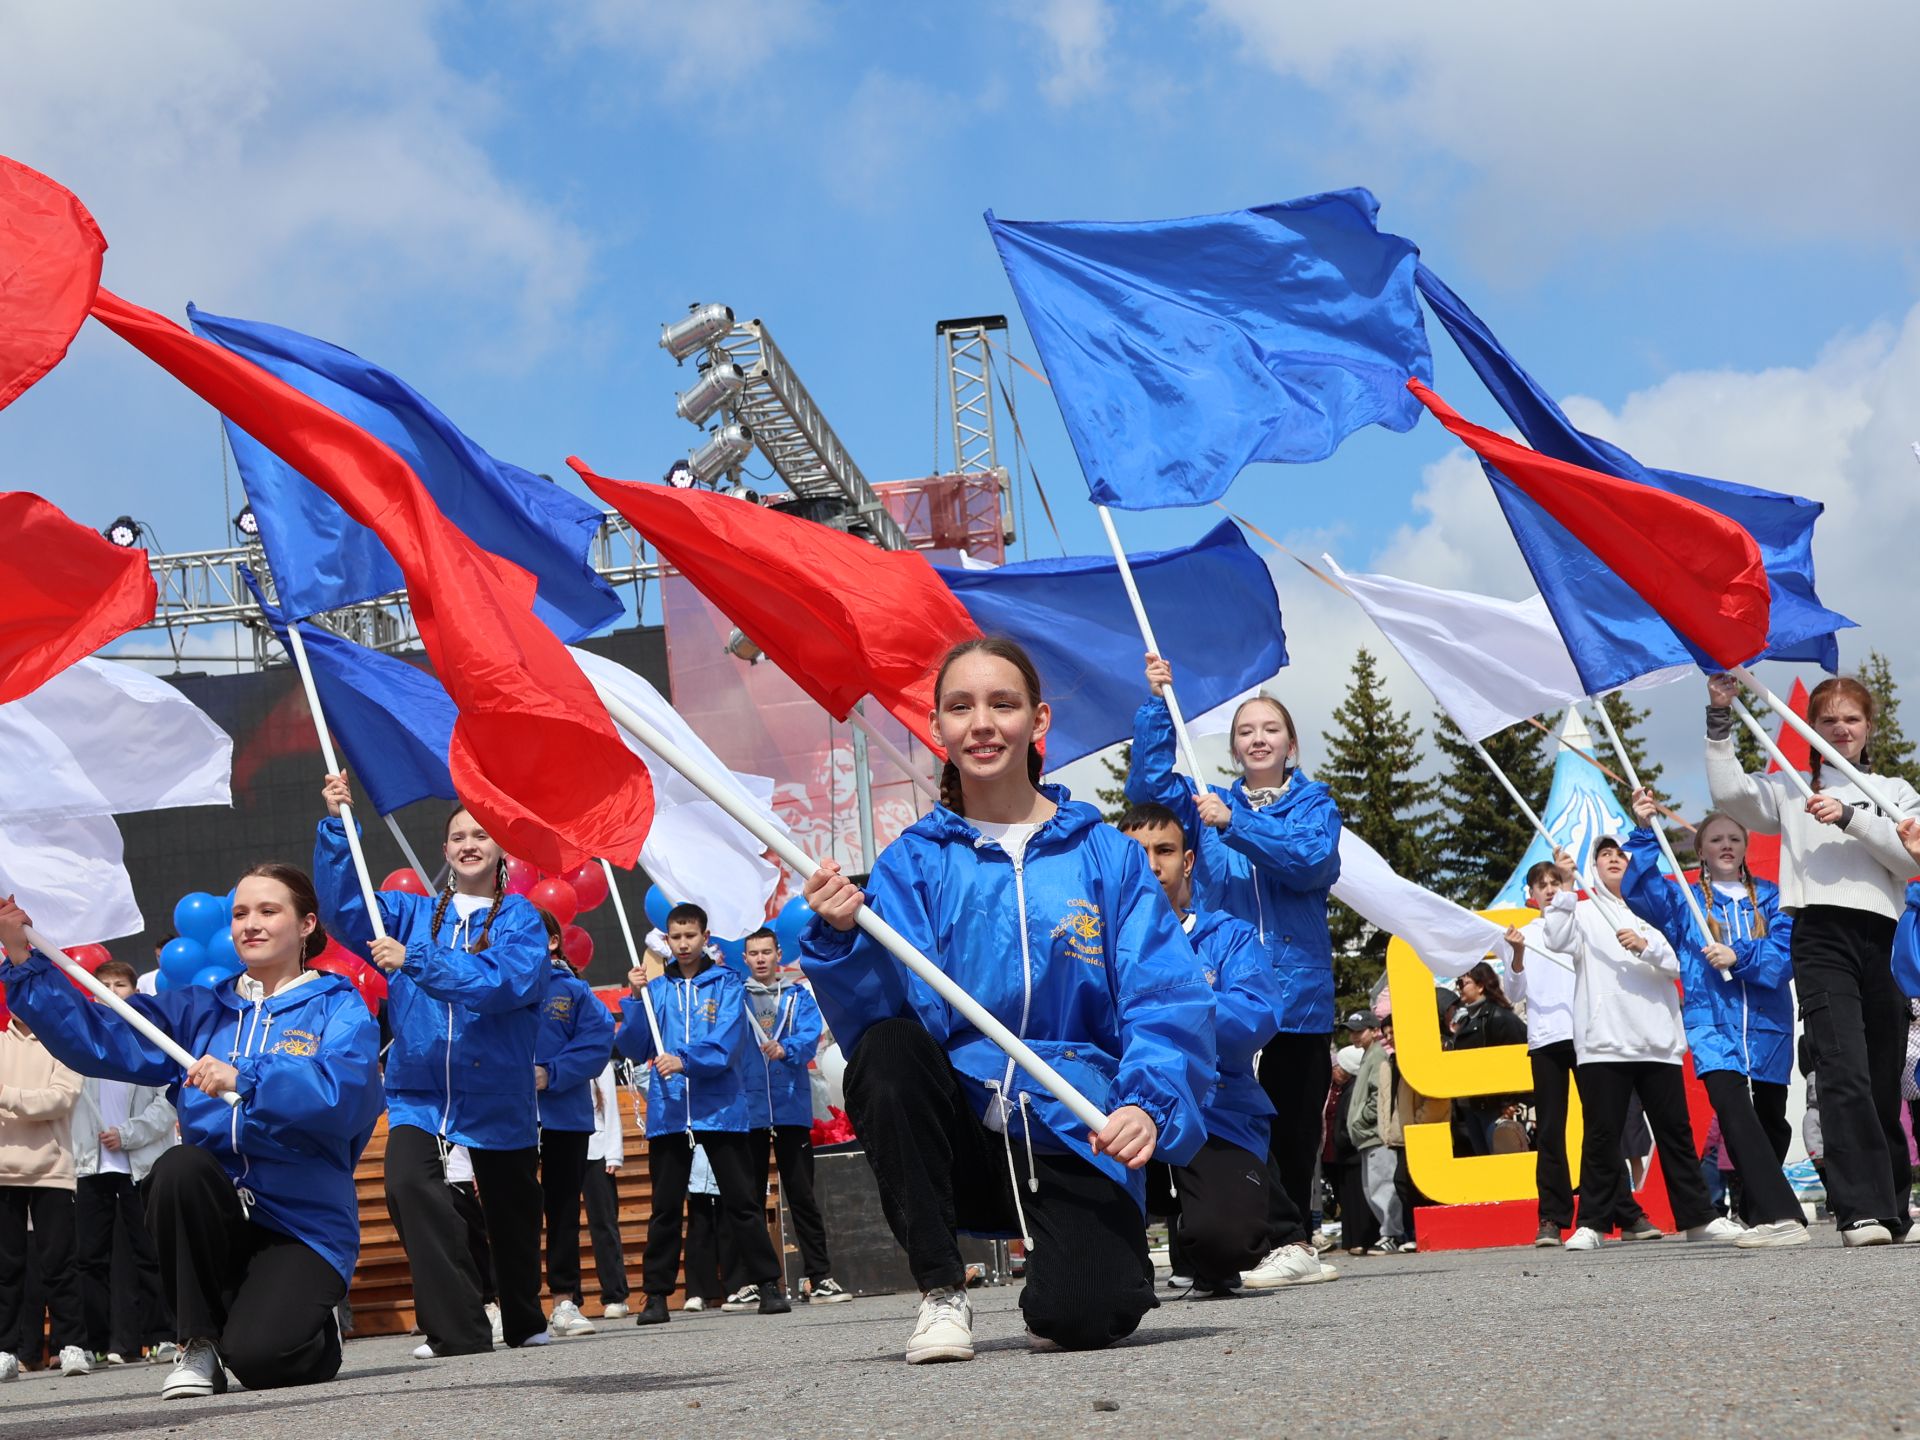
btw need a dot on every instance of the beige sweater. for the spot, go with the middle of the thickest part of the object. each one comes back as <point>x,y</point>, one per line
<point>37,1094</point>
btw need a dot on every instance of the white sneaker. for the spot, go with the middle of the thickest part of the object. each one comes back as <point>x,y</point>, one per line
<point>425,1351</point>
<point>1774,1235</point>
<point>538,1337</point>
<point>75,1361</point>
<point>567,1320</point>
<point>196,1371</point>
<point>1868,1232</point>
<point>1585,1238</point>
<point>1286,1265</point>
<point>1718,1228</point>
<point>165,1353</point>
<point>613,1311</point>
<point>114,1357</point>
<point>493,1323</point>
<point>1329,1272</point>
<point>944,1330</point>
<point>692,1305</point>
<point>9,1367</point>
<point>1179,1282</point>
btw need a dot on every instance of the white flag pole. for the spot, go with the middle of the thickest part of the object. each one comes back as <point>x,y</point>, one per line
<point>633,954</point>
<point>1533,819</point>
<point>893,752</point>
<point>77,972</point>
<point>1659,831</point>
<point>1153,647</point>
<point>400,839</point>
<point>1819,742</point>
<point>1768,744</point>
<point>894,942</point>
<point>299,648</point>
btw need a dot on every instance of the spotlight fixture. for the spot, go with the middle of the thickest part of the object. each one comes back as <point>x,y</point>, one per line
<point>717,385</point>
<point>126,532</point>
<point>724,449</point>
<point>702,325</point>
<point>679,475</point>
<point>246,523</point>
<point>741,648</point>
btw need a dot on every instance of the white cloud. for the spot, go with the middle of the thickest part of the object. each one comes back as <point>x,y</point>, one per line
<point>887,124</point>
<point>1597,120</point>
<point>700,49</point>
<point>1077,33</point>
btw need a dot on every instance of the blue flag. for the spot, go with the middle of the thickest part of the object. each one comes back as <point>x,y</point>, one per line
<point>1614,635</point>
<point>322,560</point>
<point>393,720</point>
<point>1215,614</point>
<point>1180,351</point>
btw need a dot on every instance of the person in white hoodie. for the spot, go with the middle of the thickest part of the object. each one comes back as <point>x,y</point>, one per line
<point>1628,1040</point>
<point>1843,874</point>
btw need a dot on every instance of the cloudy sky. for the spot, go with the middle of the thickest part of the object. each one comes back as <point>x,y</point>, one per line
<point>1692,222</point>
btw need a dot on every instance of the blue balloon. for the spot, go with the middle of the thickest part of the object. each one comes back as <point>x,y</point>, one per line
<point>212,977</point>
<point>220,951</point>
<point>787,926</point>
<point>181,959</point>
<point>198,915</point>
<point>657,906</point>
<point>162,982</point>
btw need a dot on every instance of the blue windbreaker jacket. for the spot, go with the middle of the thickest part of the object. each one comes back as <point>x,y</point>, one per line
<point>309,1080</point>
<point>1246,1015</point>
<point>574,1041</point>
<point>780,1092</point>
<point>1272,867</point>
<point>1075,950</point>
<point>1745,1026</point>
<point>461,1062</point>
<point>1906,945</point>
<point>704,1022</point>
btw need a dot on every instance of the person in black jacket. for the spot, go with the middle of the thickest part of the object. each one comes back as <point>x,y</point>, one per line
<point>1485,1017</point>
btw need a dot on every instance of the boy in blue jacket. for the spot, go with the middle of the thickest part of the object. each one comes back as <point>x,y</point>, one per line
<point>780,1096</point>
<point>1226,1231</point>
<point>697,1095</point>
<point>570,1049</point>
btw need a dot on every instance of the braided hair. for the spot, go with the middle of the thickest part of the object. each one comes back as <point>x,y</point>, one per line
<point>1000,648</point>
<point>446,896</point>
<point>1838,687</point>
<point>1709,900</point>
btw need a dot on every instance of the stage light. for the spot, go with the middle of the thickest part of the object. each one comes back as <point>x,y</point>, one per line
<point>707,394</point>
<point>702,325</point>
<point>246,523</point>
<point>126,532</point>
<point>725,448</point>
<point>679,475</point>
<point>741,648</point>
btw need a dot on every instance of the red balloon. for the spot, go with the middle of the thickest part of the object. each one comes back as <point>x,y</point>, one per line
<point>556,897</point>
<point>522,876</point>
<point>577,946</point>
<point>406,880</point>
<point>91,957</point>
<point>589,883</point>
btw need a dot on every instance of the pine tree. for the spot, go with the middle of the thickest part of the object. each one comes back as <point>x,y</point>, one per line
<point>1371,759</point>
<point>1747,750</point>
<point>1476,849</point>
<point>1627,718</point>
<point>1893,753</point>
<point>1114,797</point>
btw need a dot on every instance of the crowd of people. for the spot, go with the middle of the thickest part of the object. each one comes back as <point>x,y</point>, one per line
<point>1174,968</point>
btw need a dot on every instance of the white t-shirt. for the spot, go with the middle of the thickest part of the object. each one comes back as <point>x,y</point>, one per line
<point>1012,838</point>
<point>116,1105</point>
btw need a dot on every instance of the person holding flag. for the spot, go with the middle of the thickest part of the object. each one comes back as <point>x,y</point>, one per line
<point>467,975</point>
<point>1054,922</point>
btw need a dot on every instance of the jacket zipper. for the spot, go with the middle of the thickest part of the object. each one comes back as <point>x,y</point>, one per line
<point>233,1123</point>
<point>1026,979</point>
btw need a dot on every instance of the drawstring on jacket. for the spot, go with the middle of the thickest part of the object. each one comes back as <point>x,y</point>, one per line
<point>1013,1173</point>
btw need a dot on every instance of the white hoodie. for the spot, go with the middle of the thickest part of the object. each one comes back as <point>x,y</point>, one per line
<point>1546,984</point>
<point>1625,1006</point>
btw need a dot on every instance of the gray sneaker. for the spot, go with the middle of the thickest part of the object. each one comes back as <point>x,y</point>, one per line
<point>944,1329</point>
<point>197,1371</point>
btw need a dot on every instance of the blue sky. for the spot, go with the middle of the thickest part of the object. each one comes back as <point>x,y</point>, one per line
<point>1699,222</point>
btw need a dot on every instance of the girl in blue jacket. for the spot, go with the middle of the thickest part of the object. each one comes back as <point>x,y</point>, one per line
<point>254,1217</point>
<point>1740,1031</point>
<point>466,975</point>
<point>571,1047</point>
<point>1054,923</point>
<point>1267,851</point>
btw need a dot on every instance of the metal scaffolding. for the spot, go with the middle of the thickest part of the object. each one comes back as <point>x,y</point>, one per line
<point>970,382</point>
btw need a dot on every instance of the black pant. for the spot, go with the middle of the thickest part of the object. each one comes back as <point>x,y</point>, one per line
<point>466,1201</point>
<point>1285,1224</point>
<point>1359,1226</point>
<point>743,1207</point>
<point>1552,1079</point>
<point>603,1225</point>
<point>1218,1206</point>
<point>938,1169</point>
<point>52,1212</point>
<point>446,1282</point>
<point>119,1317</point>
<point>264,1299</point>
<point>791,1148</point>
<point>563,1171</point>
<point>703,1249</point>
<point>1295,1071</point>
<point>1606,1090</point>
<point>1856,1021</point>
<point>1765,1195</point>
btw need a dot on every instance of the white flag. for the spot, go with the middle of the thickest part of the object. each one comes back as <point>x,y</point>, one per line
<point>69,876</point>
<point>1449,938</point>
<point>1490,663</point>
<point>695,851</point>
<point>104,738</point>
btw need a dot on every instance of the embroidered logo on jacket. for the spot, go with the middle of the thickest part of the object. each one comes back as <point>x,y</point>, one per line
<point>1080,927</point>
<point>295,1042</point>
<point>559,1007</point>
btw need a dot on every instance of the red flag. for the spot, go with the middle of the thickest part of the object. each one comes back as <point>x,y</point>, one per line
<point>843,618</point>
<point>64,592</point>
<point>50,253</point>
<point>1701,572</point>
<point>534,754</point>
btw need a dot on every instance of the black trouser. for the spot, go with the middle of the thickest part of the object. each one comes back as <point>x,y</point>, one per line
<point>1359,1226</point>
<point>1552,1079</point>
<point>1217,1203</point>
<point>791,1148</point>
<point>1765,1195</point>
<point>1295,1071</point>
<point>1856,1019</point>
<point>1286,1225</point>
<point>264,1299</point>
<point>938,1169</point>
<point>602,1195</point>
<point>1770,1104</point>
<point>1606,1090</point>
<point>119,1318</point>
<point>703,1249</point>
<point>446,1282</point>
<point>466,1200</point>
<point>52,1212</point>
<point>743,1207</point>
<point>563,1171</point>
